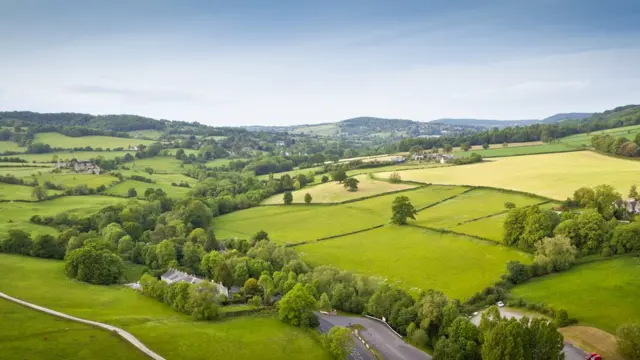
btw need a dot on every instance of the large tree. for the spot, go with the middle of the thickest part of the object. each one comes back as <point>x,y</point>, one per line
<point>351,184</point>
<point>94,266</point>
<point>339,175</point>
<point>39,193</point>
<point>555,254</point>
<point>287,198</point>
<point>296,307</point>
<point>401,210</point>
<point>339,342</point>
<point>629,340</point>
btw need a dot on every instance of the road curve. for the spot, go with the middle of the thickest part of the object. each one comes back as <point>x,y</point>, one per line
<point>125,335</point>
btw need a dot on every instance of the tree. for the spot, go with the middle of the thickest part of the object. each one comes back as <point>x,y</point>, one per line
<point>633,192</point>
<point>626,238</point>
<point>339,342</point>
<point>197,214</point>
<point>339,175</point>
<point>351,184</point>
<point>555,254</point>
<point>48,247</point>
<point>629,340</point>
<point>94,266</point>
<point>39,193</point>
<point>448,148</point>
<point>461,342</point>
<point>202,301</point>
<point>125,246</point>
<point>513,226</point>
<point>324,303</point>
<point>465,146</point>
<point>297,306</point>
<point>251,287</point>
<point>180,155</point>
<point>518,272</point>
<point>166,254</point>
<point>192,254</point>
<point>287,198</point>
<point>324,179</point>
<point>18,242</point>
<point>509,205</point>
<point>401,210</point>
<point>307,198</point>
<point>131,193</point>
<point>395,178</point>
<point>485,146</point>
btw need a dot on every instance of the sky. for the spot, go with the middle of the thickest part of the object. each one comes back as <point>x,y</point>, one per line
<point>234,63</point>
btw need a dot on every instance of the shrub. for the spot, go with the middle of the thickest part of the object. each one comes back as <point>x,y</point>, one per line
<point>629,340</point>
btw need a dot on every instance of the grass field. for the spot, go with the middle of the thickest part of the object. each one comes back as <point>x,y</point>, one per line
<point>68,155</point>
<point>500,146</point>
<point>35,335</point>
<point>392,168</point>
<point>629,132</point>
<point>457,265</point>
<point>81,205</point>
<point>122,188</point>
<point>24,171</point>
<point>74,179</point>
<point>221,162</point>
<point>6,146</point>
<point>295,172</point>
<point>553,175</point>
<point>297,223</point>
<point>160,164</point>
<point>168,333</point>
<point>471,205</point>
<point>384,157</point>
<point>159,177</point>
<point>332,192</point>
<point>520,150</point>
<point>603,294</point>
<point>28,227</point>
<point>151,134</point>
<point>19,192</point>
<point>58,140</point>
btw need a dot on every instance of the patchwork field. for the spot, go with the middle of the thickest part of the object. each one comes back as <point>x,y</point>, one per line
<point>58,140</point>
<point>24,171</point>
<point>457,265</point>
<point>394,168</point>
<point>220,162</point>
<point>332,192</point>
<point>83,205</point>
<point>297,223</point>
<point>629,132</point>
<point>68,155</point>
<point>295,172</point>
<point>19,192</point>
<point>540,148</point>
<point>160,164</point>
<point>70,180</point>
<point>6,146</point>
<point>602,294</point>
<point>122,189</point>
<point>151,134</point>
<point>553,175</point>
<point>471,205</point>
<point>169,333</point>
<point>35,335</point>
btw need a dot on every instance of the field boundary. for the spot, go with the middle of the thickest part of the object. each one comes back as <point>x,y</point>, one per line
<point>570,148</point>
<point>447,231</point>
<point>502,212</point>
<point>445,199</point>
<point>334,236</point>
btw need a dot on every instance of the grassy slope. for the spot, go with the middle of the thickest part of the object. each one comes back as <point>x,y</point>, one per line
<point>57,140</point>
<point>19,192</point>
<point>521,150</point>
<point>74,179</point>
<point>629,132</point>
<point>169,333</point>
<point>332,192</point>
<point>24,171</point>
<point>35,335</point>
<point>602,294</point>
<point>78,155</point>
<point>82,205</point>
<point>553,175</point>
<point>151,134</point>
<point>159,164</point>
<point>122,188</point>
<point>10,146</point>
<point>457,265</point>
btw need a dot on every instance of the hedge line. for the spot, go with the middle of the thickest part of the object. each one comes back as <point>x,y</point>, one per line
<point>446,231</point>
<point>334,236</point>
<point>443,200</point>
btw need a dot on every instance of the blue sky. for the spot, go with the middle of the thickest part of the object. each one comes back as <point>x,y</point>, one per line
<point>294,62</point>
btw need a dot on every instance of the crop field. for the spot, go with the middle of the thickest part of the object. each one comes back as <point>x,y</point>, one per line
<point>35,335</point>
<point>70,180</point>
<point>628,132</point>
<point>57,140</point>
<point>500,146</point>
<point>169,333</point>
<point>471,205</point>
<point>553,175</point>
<point>456,265</point>
<point>81,205</point>
<point>19,192</point>
<point>297,223</point>
<point>122,189</point>
<point>395,168</point>
<point>160,164</point>
<point>11,146</point>
<point>68,155</point>
<point>603,294</point>
<point>521,150</point>
<point>332,192</point>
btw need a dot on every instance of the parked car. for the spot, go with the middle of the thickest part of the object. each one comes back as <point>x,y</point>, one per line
<point>500,304</point>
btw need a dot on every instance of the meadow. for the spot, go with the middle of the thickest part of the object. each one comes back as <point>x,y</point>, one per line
<point>20,192</point>
<point>171,334</point>
<point>24,171</point>
<point>297,223</point>
<point>27,227</point>
<point>333,192</point>
<point>221,162</point>
<point>165,178</point>
<point>57,140</point>
<point>395,168</point>
<point>294,173</point>
<point>35,335</point>
<point>603,294</point>
<point>521,150</point>
<point>412,257</point>
<point>555,176</point>
<point>72,179</point>
<point>150,134</point>
<point>122,189</point>
<point>6,146</point>
<point>159,164</point>
<point>628,132</point>
<point>68,155</point>
<point>80,205</point>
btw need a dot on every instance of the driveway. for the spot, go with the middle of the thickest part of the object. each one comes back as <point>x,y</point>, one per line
<point>570,351</point>
<point>378,335</point>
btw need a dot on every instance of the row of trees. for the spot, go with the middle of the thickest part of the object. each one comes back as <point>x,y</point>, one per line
<point>617,146</point>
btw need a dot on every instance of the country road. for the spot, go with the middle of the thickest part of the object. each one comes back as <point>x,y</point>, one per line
<point>359,352</point>
<point>125,335</point>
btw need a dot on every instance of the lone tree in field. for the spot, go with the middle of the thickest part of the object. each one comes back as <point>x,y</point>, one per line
<point>402,209</point>
<point>131,193</point>
<point>351,184</point>
<point>39,193</point>
<point>307,198</point>
<point>339,175</point>
<point>394,178</point>
<point>485,146</point>
<point>288,198</point>
<point>465,146</point>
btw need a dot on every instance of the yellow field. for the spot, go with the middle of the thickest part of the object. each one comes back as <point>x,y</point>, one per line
<point>332,192</point>
<point>553,175</point>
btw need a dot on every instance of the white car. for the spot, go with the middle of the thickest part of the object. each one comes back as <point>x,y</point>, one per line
<point>500,304</point>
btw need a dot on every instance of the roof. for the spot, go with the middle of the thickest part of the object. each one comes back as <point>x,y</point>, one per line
<point>174,275</point>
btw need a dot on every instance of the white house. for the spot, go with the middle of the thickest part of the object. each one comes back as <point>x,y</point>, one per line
<point>173,276</point>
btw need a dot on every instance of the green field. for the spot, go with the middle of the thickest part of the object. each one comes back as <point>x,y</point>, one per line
<point>6,146</point>
<point>28,227</point>
<point>20,192</point>
<point>471,205</point>
<point>150,134</point>
<point>520,150</point>
<point>35,335</point>
<point>297,223</point>
<point>57,140</point>
<point>68,155</point>
<point>332,192</point>
<point>396,168</point>
<point>628,132</point>
<point>317,130</point>
<point>172,335</point>
<point>159,177</point>
<point>553,175</point>
<point>295,172</point>
<point>160,164</point>
<point>122,189</point>
<point>24,171</point>
<point>603,294</point>
<point>70,180</point>
<point>80,205</point>
<point>457,265</point>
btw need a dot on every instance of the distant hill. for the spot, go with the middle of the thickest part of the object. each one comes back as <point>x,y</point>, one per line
<point>565,116</point>
<point>505,123</point>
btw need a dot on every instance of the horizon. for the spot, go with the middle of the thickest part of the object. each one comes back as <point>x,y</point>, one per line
<point>288,63</point>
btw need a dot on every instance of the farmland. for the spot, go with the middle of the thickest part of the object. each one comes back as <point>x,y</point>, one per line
<point>546,174</point>
<point>332,192</point>
<point>521,150</point>
<point>149,134</point>
<point>160,164</point>
<point>74,179</point>
<point>35,335</point>
<point>6,146</point>
<point>165,331</point>
<point>613,304</point>
<point>628,132</point>
<point>412,257</point>
<point>122,189</point>
<point>68,155</point>
<point>19,192</point>
<point>56,140</point>
<point>70,204</point>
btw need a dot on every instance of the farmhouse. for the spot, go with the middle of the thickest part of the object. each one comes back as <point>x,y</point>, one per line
<point>173,276</point>
<point>133,148</point>
<point>79,166</point>
<point>417,157</point>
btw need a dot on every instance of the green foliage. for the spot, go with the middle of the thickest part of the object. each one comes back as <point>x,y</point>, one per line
<point>351,184</point>
<point>339,342</point>
<point>48,247</point>
<point>307,198</point>
<point>296,307</point>
<point>395,178</point>
<point>287,198</point>
<point>555,254</point>
<point>401,210</point>
<point>629,340</point>
<point>339,175</point>
<point>94,266</point>
<point>17,242</point>
<point>202,303</point>
<point>197,214</point>
<point>132,193</point>
<point>39,193</point>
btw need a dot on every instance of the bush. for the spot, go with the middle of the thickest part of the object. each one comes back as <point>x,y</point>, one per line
<point>395,178</point>
<point>94,266</point>
<point>629,340</point>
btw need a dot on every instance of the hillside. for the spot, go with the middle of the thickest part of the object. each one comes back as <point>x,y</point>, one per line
<point>506,123</point>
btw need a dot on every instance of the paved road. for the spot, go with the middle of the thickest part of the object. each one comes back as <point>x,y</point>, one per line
<point>125,335</point>
<point>570,351</point>
<point>359,352</point>
<point>378,335</point>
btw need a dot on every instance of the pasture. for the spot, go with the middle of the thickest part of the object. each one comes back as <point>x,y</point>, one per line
<point>471,205</point>
<point>159,164</point>
<point>35,335</point>
<point>159,177</point>
<point>57,140</point>
<point>6,146</point>
<point>169,333</point>
<point>297,223</point>
<point>520,150</point>
<point>79,205</point>
<point>26,226</point>
<point>628,132</point>
<point>333,192</point>
<point>384,157</point>
<point>552,175</point>
<point>72,179</point>
<point>121,189</point>
<point>20,192</point>
<point>68,155</point>
<point>295,172</point>
<point>149,134</point>
<point>24,171</point>
<point>603,294</point>
<point>412,257</point>
<point>394,168</point>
